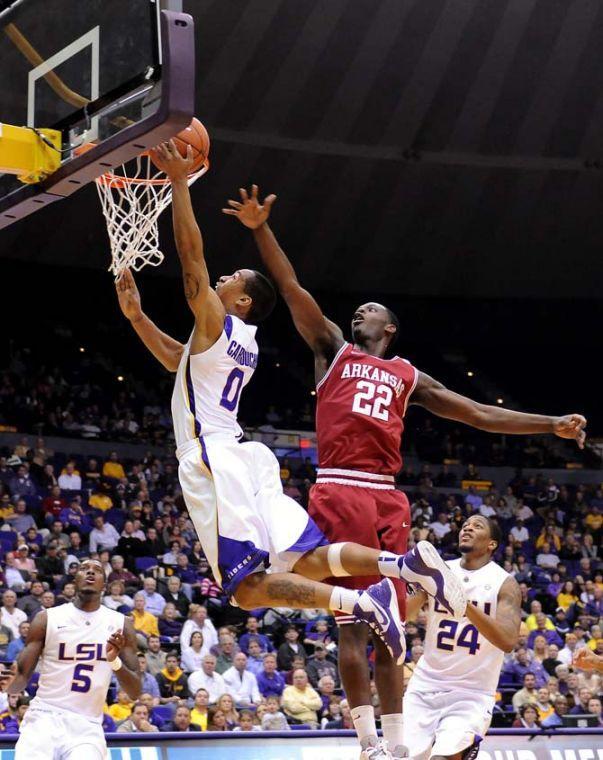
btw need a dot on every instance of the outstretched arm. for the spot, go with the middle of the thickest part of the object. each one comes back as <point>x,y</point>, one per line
<point>165,349</point>
<point>201,297</point>
<point>503,630</point>
<point>585,659</point>
<point>322,335</point>
<point>432,395</point>
<point>28,658</point>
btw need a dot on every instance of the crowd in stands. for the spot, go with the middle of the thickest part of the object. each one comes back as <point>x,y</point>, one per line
<point>210,666</point>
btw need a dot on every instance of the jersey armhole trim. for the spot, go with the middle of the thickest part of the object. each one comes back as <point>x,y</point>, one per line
<point>331,365</point>
<point>411,391</point>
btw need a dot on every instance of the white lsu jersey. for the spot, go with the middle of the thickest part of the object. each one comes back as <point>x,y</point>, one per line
<point>74,672</point>
<point>456,655</point>
<point>208,385</point>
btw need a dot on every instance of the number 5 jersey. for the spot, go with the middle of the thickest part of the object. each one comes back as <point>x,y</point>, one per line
<point>456,655</point>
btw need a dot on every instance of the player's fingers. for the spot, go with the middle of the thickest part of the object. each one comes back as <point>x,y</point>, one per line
<point>243,194</point>
<point>269,200</point>
<point>230,212</point>
<point>235,204</point>
<point>189,152</point>
<point>254,192</point>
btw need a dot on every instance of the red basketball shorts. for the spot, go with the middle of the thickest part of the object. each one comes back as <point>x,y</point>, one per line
<point>371,517</point>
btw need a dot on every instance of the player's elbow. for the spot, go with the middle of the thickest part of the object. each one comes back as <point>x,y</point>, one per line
<point>135,689</point>
<point>509,642</point>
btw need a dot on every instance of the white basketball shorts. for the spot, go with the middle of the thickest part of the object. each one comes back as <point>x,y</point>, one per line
<point>444,722</point>
<point>59,735</point>
<point>235,499</point>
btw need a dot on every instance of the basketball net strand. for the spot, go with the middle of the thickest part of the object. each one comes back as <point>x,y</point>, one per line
<point>132,198</point>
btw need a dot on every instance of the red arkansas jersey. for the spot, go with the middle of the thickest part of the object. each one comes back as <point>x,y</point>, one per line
<point>361,402</point>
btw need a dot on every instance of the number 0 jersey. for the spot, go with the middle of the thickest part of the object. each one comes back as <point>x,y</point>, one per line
<point>361,402</point>
<point>456,655</point>
<point>74,672</point>
<point>208,385</point>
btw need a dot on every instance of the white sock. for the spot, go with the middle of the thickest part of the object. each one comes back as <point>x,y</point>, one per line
<point>393,731</point>
<point>364,723</point>
<point>390,564</point>
<point>343,599</point>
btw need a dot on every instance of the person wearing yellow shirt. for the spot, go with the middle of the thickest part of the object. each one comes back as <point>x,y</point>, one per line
<point>548,536</point>
<point>112,468</point>
<point>100,500</point>
<point>594,519</point>
<point>532,623</point>
<point>543,703</point>
<point>300,701</point>
<point>199,711</point>
<point>6,508</point>
<point>145,624</point>
<point>121,709</point>
<point>567,596</point>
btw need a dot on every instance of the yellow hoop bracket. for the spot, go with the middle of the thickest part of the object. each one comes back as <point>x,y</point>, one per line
<point>24,153</point>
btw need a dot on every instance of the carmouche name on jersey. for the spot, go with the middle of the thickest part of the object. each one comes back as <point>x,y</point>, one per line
<point>81,652</point>
<point>355,370</point>
<point>241,355</point>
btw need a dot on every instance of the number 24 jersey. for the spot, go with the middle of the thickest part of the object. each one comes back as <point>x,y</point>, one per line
<point>456,655</point>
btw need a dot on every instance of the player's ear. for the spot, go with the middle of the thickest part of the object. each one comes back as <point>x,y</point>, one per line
<point>244,301</point>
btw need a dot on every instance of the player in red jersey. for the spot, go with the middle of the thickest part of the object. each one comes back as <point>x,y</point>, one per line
<point>361,401</point>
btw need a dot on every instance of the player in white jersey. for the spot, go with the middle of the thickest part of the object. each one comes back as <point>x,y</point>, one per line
<point>232,490</point>
<point>79,645</point>
<point>451,692</point>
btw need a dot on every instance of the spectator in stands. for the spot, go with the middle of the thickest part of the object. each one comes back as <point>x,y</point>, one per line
<point>112,468</point>
<point>102,536</point>
<point>69,479</point>
<point>519,533</point>
<point>300,701</point>
<point>543,629</point>
<point>270,682</point>
<point>543,703</point>
<point>122,708</point>
<point>552,659</point>
<point>581,704</point>
<point>297,664</point>
<point>441,526</point>
<point>255,658</point>
<point>192,657</point>
<point>528,717</point>
<point>198,621</point>
<point>247,722</point>
<point>594,708</point>
<point>252,631</point>
<point>10,615</point>
<point>527,695</point>
<point>53,504</point>
<point>169,625</point>
<point>22,560</point>
<point>21,484</point>
<point>145,624</point>
<point>523,666</point>
<point>200,712</point>
<point>101,499</point>
<point>154,656</point>
<point>172,682</point>
<point>566,655</point>
<point>319,666</point>
<point>227,705</point>
<point>290,649</point>
<point>20,521</point>
<point>555,720</point>
<point>31,603</point>
<point>182,721</point>
<point>154,602</point>
<point>226,653</point>
<point>149,682</point>
<point>273,719</point>
<point>117,599</point>
<point>241,683</point>
<point>344,721</point>
<point>138,721</point>
<point>216,720</point>
<point>208,679</point>
<point>176,595</point>
<point>17,644</point>
<point>547,559</point>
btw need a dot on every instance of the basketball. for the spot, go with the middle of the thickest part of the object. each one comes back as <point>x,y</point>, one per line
<point>196,136</point>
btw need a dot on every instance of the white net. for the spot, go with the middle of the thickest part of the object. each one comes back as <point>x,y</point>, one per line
<point>133,196</point>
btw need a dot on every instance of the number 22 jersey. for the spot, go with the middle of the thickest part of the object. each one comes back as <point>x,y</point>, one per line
<point>456,655</point>
<point>362,400</point>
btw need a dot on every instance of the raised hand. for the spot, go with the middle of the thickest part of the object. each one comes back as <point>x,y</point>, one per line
<point>167,158</point>
<point>128,296</point>
<point>585,659</point>
<point>115,644</point>
<point>571,426</point>
<point>250,211</point>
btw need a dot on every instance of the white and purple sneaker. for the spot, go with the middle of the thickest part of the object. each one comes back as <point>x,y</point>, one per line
<point>378,752</point>
<point>378,607</point>
<point>424,567</point>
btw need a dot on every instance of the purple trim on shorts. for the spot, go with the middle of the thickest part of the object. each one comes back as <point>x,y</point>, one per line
<point>236,560</point>
<point>311,538</point>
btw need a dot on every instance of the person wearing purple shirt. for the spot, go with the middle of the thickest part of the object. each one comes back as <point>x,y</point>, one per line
<point>551,636</point>
<point>270,682</point>
<point>522,665</point>
<point>252,626</point>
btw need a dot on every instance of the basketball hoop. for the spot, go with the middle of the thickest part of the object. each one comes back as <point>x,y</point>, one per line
<point>132,197</point>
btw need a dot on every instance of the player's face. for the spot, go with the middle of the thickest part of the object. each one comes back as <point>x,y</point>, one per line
<point>370,322</point>
<point>231,289</point>
<point>474,536</point>
<point>90,577</point>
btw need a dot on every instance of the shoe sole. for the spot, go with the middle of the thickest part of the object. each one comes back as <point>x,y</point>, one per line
<point>395,611</point>
<point>429,563</point>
